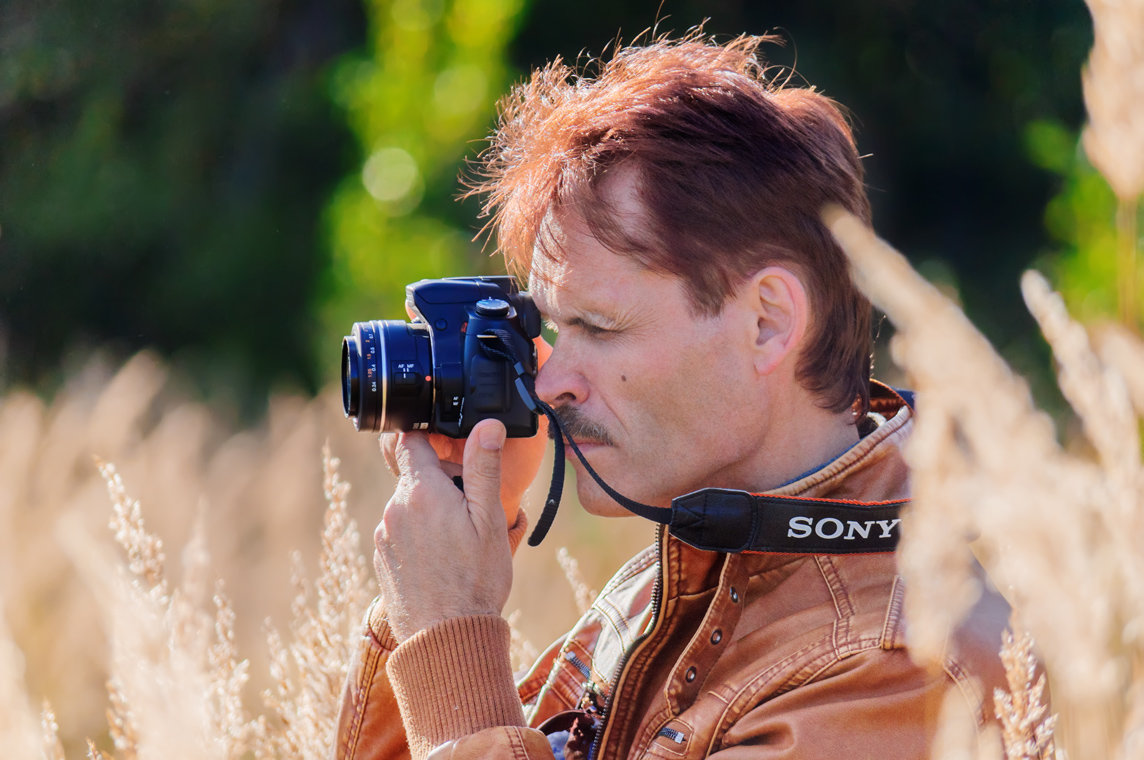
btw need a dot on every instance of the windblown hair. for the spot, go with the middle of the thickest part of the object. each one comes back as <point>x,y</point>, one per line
<point>733,172</point>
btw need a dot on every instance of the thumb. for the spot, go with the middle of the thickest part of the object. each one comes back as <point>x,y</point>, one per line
<point>481,468</point>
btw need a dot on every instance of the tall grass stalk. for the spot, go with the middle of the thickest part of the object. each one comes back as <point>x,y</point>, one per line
<point>310,669</point>
<point>219,566</point>
<point>18,725</point>
<point>1057,529</point>
<point>1113,82</point>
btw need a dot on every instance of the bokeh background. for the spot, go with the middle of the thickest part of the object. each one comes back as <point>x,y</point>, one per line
<point>198,197</point>
<point>233,184</point>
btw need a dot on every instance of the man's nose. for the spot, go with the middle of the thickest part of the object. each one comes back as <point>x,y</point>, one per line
<point>561,381</point>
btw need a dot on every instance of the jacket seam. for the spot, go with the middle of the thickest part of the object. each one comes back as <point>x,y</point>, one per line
<point>974,697</point>
<point>532,684</point>
<point>634,567</point>
<point>567,680</point>
<point>755,691</point>
<point>368,671</point>
<point>516,742</point>
<point>752,693</point>
<point>843,607</point>
<point>615,618</point>
<point>893,615</point>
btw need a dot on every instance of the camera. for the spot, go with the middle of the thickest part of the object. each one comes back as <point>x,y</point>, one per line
<point>437,373</point>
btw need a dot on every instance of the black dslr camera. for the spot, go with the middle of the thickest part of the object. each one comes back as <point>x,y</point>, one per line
<point>437,373</point>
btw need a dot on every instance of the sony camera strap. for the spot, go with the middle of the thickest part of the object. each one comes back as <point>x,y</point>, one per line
<point>720,519</point>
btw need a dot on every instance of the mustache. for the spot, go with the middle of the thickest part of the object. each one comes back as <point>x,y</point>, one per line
<point>578,427</point>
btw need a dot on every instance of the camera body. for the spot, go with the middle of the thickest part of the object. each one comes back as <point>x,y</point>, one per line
<point>433,374</point>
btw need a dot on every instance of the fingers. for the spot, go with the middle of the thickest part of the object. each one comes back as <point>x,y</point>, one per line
<point>449,450</point>
<point>427,515</point>
<point>388,445</point>
<point>482,468</point>
<point>415,456</point>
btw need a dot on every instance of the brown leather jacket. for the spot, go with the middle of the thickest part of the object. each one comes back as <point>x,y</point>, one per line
<point>693,654</point>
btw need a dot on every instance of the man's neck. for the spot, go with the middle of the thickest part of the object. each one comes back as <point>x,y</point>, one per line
<point>803,439</point>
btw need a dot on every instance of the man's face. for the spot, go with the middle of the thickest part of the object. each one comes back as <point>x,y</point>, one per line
<point>661,401</point>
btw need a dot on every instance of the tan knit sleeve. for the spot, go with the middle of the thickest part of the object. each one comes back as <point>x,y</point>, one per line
<point>454,679</point>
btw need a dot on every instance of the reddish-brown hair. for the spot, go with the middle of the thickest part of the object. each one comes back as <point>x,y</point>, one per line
<point>734,171</point>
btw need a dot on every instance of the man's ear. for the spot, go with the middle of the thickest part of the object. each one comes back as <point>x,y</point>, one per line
<point>782,311</point>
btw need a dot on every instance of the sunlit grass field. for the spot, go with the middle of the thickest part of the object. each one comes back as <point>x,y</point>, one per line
<point>234,513</point>
<point>174,587</point>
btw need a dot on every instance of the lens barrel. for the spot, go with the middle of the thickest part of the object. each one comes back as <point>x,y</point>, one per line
<point>387,378</point>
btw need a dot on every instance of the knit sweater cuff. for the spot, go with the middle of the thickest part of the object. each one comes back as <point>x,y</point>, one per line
<point>454,679</point>
<point>517,531</point>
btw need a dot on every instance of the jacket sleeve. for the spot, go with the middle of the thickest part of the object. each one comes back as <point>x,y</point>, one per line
<point>876,703</point>
<point>448,687</point>
<point>452,681</point>
<point>369,725</point>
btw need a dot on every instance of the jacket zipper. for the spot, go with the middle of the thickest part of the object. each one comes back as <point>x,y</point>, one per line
<point>656,593</point>
<point>579,665</point>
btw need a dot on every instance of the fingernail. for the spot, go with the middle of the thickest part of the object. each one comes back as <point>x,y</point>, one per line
<point>491,437</point>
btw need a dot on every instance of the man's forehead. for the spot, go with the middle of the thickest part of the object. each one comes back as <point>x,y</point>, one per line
<point>554,252</point>
<point>548,270</point>
<point>614,203</point>
<point>547,278</point>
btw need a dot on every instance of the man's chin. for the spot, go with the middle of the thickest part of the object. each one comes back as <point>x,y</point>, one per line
<point>594,500</point>
<point>604,507</point>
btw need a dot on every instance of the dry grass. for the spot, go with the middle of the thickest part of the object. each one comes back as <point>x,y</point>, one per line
<point>1057,529</point>
<point>137,640</point>
<point>1114,137</point>
<point>218,530</point>
<point>154,659</point>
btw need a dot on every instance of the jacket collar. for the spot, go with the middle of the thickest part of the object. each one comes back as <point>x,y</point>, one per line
<point>874,469</point>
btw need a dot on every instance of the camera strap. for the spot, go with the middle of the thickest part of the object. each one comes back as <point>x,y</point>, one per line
<point>721,519</point>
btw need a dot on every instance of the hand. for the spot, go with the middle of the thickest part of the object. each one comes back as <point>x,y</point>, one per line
<point>441,554</point>
<point>522,456</point>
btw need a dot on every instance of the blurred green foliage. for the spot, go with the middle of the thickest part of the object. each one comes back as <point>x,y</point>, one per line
<point>417,98</point>
<point>1081,220</point>
<point>236,183</point>
<point>161,165</point>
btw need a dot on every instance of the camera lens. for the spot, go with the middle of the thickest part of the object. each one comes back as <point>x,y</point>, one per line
<point>387,382</point>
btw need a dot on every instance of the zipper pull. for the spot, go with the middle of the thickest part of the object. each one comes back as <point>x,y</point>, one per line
<point>582,734</point>
<point>590,701</point>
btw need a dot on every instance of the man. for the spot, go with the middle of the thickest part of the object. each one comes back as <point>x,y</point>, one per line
<point>667,212</point>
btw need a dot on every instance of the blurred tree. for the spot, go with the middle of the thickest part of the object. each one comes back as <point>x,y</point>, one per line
<point>416,102</point>
<point>162,167</point>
